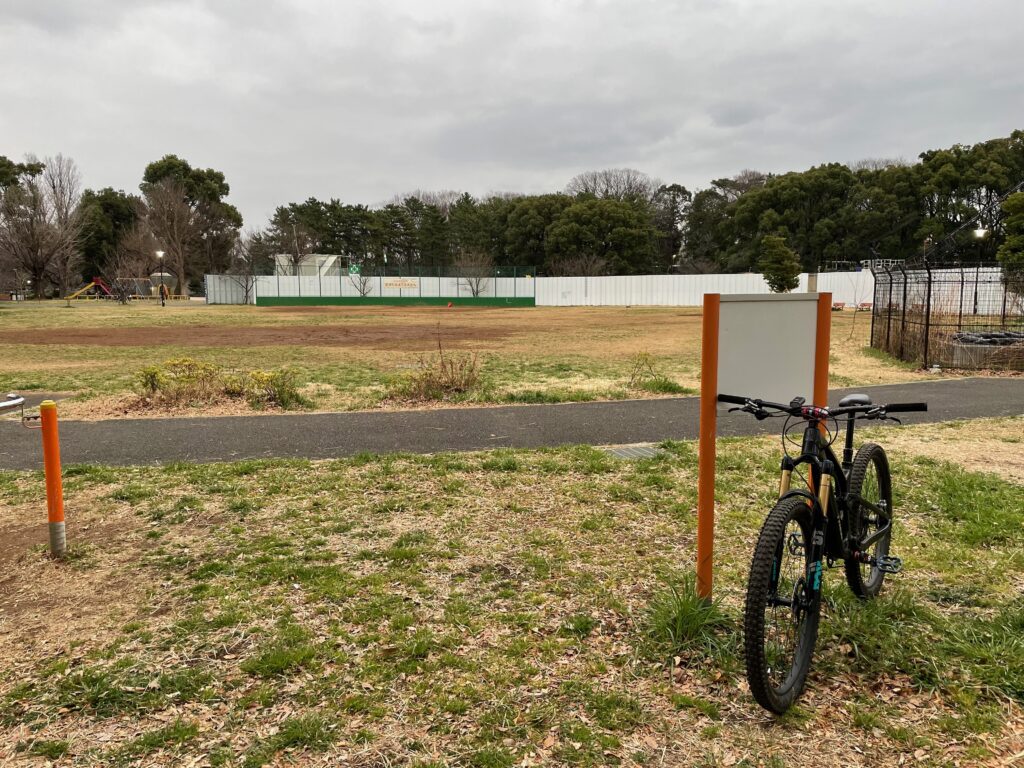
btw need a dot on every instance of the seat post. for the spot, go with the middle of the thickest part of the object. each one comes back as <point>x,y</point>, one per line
<point>848,446</point>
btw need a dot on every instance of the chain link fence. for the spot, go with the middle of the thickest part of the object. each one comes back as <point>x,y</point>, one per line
<point>951,316</point>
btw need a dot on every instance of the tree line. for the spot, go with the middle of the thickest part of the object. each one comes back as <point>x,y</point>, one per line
<point>54,235</point>
<point>615,221</point>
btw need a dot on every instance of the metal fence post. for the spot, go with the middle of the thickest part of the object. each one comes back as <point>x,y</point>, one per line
<point>927,311</point>
<point>888,311</point>
<point>903,316</point>
<point>960,313</point>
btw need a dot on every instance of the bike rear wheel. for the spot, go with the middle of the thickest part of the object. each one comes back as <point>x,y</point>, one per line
<point>781,615</point>
<point>871,481</point>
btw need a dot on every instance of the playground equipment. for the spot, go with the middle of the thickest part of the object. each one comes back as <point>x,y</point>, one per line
<point>96,289</point>
<point>47,419</point>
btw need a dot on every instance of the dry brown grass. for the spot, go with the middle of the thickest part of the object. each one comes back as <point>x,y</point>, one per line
<point>350,356</point>
<point>486,559</point>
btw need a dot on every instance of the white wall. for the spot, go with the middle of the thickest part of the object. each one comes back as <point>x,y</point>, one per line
<point>635,290</point>
<point>684,290</point>
<point>226,289</point>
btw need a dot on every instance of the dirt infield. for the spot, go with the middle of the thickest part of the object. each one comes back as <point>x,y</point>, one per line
<point>392,336</point>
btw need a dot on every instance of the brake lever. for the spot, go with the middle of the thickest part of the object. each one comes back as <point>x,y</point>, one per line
<point>883,416</point>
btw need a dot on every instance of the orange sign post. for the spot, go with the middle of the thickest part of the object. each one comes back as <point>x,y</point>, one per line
<point>769,351</point>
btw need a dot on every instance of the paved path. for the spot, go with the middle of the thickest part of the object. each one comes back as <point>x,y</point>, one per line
<point>326,435</point>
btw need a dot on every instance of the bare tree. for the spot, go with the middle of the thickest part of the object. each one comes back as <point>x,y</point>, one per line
<point>615,183</point>
<point>63,185</point>
<point>476,269</point>
<point>583,265</point>
<point>877,163</point>
<point>743,182</point>
<point>245,257</point>
<point>40,224</point>
<point>134,257</point>
<point>362,283</point>
<point>175,223</point>
<point>442,199</point>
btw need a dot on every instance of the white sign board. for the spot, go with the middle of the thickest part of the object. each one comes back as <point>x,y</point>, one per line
<point>401,282</point>
<point>766,346</point>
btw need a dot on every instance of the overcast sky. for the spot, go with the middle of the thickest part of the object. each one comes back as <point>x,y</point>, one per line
<point>364,100</point>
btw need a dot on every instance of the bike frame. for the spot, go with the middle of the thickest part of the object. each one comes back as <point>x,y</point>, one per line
<point>828,504</point>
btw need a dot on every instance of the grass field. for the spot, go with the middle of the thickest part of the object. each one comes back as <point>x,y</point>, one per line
<point>359,357</point>
<point>495,609</point>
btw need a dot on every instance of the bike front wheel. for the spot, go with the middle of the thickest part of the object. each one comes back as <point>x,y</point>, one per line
<point>780,621</point>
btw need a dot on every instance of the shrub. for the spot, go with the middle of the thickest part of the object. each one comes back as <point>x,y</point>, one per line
<point>441,377</point>
<point>186,381</point>
<point>275,388</point>
<point>643,375</point>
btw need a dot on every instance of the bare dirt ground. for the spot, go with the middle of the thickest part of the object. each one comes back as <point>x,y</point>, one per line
<point>402,336</point>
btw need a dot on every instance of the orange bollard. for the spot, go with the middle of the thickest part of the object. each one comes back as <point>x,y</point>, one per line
<point>54,485</point>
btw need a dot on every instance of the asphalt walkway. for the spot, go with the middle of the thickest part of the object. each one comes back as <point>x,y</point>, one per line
<point>329,435</point>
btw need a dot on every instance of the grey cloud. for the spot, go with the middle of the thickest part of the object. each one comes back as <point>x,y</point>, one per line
<point>361,100</point>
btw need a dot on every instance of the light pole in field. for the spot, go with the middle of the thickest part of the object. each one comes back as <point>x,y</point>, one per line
<point>979,234</point>
<point>160,269</point>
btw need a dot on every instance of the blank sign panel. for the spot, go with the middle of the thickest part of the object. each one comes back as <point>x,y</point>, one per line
<point>766,346</point>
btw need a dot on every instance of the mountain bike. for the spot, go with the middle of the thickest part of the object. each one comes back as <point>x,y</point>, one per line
<point>836,512</point>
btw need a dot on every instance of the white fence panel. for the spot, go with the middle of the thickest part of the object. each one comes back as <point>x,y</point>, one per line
<point>229,289</point>
<point>683,290</point>
<point>850,288</point>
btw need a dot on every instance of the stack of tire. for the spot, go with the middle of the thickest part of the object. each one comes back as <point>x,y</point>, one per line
<point>990,338</point>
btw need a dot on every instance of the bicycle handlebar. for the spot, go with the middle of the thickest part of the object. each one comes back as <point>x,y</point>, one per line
<point>898,407</point>
<point>876,411</point>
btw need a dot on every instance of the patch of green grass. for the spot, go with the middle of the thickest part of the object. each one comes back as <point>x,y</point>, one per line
<point>314,732</point>
<point>663,385</point>
<point>680,621</point>
<point>707,708</point>
<point>133,493</point>
<point>52,749</point>
<point>614,710</point>
<point>579,625</point>
<point>289,650</point>
<point>542,396</point>
<point>888,359</point>
<point>174,735</point>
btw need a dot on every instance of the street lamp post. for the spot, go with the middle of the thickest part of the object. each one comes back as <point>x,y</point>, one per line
<point>160,288</point>
<point>979,234</point>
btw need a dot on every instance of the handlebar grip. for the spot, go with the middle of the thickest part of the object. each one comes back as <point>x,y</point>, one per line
<point>902,407</point>
<point>733,399</point>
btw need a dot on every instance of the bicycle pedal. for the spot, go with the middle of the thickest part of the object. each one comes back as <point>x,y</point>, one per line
<point>889,564</point>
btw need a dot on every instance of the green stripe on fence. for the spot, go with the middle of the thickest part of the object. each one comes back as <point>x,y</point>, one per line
<point>427,301</point>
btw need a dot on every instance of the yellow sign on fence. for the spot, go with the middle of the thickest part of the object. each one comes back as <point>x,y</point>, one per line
<point>401,282</point>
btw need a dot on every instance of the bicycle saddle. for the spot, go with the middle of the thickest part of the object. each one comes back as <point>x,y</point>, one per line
<point>854,400</point>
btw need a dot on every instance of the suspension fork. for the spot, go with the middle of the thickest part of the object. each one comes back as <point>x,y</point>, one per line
<point>819,522</point>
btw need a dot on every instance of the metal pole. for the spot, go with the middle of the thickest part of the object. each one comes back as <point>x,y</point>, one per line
<point>903,317</point>
<point>960,314</point>
<point>888,312</point>
<point>927,312</point>
<point>977,271</point>
<point>874,308</point>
